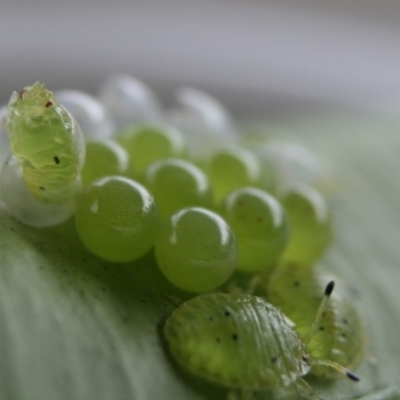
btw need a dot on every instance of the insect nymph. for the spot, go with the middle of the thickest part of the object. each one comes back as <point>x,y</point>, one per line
<point>242,342</point>
<point>47,141</point>
<point>340,333</point>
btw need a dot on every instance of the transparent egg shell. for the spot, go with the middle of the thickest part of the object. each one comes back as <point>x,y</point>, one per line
<point>22,205</point>
<point>203,119</point>
<point>91,115</point>
<point>294,163</point>
<point>128,100</point>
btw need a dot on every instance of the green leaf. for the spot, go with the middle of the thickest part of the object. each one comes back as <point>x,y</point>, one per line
<point>74,327</point>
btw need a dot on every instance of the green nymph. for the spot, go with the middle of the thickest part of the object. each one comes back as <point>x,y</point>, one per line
<point>47,140</point>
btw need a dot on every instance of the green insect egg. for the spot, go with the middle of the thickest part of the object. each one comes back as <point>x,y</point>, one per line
<point>49,143</point>
<point>310,224</point>
<point>261,228</point>
<point>196,250</point>
<point>152,142</point>
<point>176,184</point>
<point>117,219</point>
<point>103,158</point>
<point>231,168</point>
<point>339,335</point>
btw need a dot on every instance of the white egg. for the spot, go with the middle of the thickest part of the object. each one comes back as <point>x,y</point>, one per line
<point>22,205</point>
<point>92,116</point>
<point>129,101</point>
<point>205,121</point>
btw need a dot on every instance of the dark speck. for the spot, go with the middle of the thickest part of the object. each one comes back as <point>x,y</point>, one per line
<point>321,328</point>
<point>345,320</point>
<point>56,160</point>
<point>227,313</point>
<point>274,360</point>
<point>234,336</point>
<point>296,283</point>
<point>42,188</point>
<point>210,319</point>
<point>218,339</point>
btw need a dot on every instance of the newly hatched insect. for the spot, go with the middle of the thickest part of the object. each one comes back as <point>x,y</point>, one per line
<point>338,333</point>
<point>243,343</point>
<point>48,142</point>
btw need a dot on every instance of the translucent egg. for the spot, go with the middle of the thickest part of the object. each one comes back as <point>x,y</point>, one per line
<point>310,221</point>
<point>103,158</point>
<point>129,100</point>
<point>230,168</point>
<point>117,219</point>
<point>176,184</point>
<point>91,115</point>
<point>261,228</point>
<point>196,249</point>
<point>292,163</point>
<point>147,143</point>
<point>22,205</point>
<point>203,119</point>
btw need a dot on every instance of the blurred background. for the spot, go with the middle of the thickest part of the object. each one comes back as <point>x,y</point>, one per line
<point>268,60</point>
<point>260,58</point>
